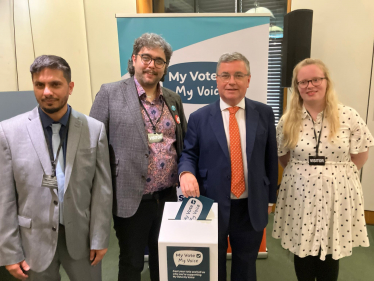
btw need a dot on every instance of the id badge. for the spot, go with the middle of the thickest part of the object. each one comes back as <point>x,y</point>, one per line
<point>155,138</point>
<point>317,160</point>
<point>50,182</point>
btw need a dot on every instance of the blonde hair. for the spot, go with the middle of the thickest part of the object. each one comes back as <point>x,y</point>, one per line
<point>293,117</point>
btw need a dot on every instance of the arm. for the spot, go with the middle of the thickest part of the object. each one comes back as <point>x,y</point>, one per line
<point>100,108</point>
<point>360,139</point>
<point>360,159</point>
<point>17,270</point>
<point>101,201</point>
<point>189,185</point>
<point>11,252</point>
<point>283,160</point>
<point>188,161</point>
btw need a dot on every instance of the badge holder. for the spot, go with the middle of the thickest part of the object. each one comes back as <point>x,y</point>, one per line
<point>152,138</point>
<point>50,182</point>
<point>317,160</point>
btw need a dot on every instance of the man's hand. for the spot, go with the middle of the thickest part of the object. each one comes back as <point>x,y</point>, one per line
<point>97,255</point>
<point>189,185</point>
<point>270,208</point>
<point>16,270</point>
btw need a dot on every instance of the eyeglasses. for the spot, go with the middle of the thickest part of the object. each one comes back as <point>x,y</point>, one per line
<point>315,82</point>
<point>147,59</point>
<point>225,77</point>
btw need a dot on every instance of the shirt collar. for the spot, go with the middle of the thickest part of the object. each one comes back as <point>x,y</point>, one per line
<point>305,114</point>
<point>141,91</point>
<point>225,106</point>
<point>48,121</point>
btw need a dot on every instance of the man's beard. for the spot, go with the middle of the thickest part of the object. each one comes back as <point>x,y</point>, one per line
<point>143,80</point>
<point>52,110</point>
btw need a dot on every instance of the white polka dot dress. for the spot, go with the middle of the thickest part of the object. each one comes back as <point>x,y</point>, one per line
<point>322,206</point>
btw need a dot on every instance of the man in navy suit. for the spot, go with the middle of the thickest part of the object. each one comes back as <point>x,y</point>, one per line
<point>233,160</point>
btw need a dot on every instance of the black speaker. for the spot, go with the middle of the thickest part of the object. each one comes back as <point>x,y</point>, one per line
<point>297,39</point>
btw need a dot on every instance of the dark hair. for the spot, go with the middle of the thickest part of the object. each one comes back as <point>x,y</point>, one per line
<point>53,62</point>
<point>150,41</point>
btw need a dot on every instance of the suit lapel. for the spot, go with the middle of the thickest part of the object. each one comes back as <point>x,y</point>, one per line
<point>133,107</point>
<point>75,129</point>
<point>251,122</point>
<point>216,122</point>
<point>36,133</point>
<point>170,102</point>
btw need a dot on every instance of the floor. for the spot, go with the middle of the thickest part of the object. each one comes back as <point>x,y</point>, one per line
<point>278,265</point>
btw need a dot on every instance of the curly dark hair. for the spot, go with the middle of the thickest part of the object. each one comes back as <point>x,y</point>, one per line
<point>150,41</point>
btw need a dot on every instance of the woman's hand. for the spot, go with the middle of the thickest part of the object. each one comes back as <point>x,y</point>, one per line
<point>283,160</point>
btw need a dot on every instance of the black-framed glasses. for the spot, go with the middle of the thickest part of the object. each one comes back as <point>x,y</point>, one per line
<point>147,59</point>
<point>315,82</point>
<point>225,77</point>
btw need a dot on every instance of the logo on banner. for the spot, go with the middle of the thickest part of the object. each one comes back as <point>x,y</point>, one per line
<point>195,82</point>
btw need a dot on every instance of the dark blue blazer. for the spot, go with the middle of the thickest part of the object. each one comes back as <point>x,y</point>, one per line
<point>206,155</point>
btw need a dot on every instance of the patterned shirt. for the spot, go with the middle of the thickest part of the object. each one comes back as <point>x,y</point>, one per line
<point>162,166</point>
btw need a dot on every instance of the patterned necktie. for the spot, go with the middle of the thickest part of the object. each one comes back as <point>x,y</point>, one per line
<point>237,171</point>
<point>60,166</point>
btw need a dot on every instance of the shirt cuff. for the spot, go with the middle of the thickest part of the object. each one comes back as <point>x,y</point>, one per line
<point>182,174</point>
<point>271,204</point>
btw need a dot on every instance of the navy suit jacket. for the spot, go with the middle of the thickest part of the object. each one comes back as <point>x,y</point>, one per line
<point>206,155</point>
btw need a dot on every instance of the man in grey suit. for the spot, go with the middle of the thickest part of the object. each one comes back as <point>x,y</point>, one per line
<point>146,126</point>
<point>55,188</point>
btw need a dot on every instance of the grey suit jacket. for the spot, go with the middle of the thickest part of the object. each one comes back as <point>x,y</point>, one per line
<point>29,213</point>
<point>117,106</point>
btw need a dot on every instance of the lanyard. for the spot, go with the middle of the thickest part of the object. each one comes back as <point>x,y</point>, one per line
<point>62,140</point>
<point>150,120</point>
<point>315,134</point>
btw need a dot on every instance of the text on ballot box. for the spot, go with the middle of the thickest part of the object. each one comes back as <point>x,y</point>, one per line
<point>188,249</point>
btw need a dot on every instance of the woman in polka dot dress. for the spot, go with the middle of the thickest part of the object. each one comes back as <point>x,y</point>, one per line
<point>322,145</point>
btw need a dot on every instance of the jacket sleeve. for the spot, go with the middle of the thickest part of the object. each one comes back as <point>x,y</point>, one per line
<point>271,159</point>
<point>182,117</point>
<point>191,151</point>
<point>102,197</point>
<point>100,107</point>
<point>11,251</point>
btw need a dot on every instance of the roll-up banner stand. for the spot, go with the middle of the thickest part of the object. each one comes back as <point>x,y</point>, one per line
<point>198,40</point>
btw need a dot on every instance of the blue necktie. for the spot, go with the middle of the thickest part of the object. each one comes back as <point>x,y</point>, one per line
<point>60,171</point>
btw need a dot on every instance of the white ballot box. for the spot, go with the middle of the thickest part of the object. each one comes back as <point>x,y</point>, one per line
<point>188,249</point>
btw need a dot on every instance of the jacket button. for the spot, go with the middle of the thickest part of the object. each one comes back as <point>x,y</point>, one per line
<point>55,202</point>
<point>54,228</point>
